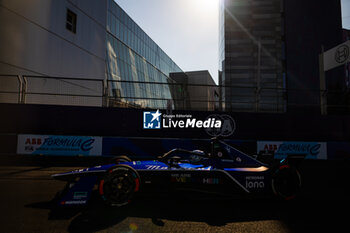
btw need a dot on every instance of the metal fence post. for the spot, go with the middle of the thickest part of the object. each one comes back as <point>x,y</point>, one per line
<point>104,93</point>
<point>323,97</point>
<point>24,89</point>
<point>20,87</point>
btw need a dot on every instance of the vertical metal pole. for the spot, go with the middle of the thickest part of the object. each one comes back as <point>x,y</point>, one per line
<point>105,88</point>
<point>323,97</point>
<point>20,89</point>
<point>184,96</point>
<point>258,80</point>
<point>24,89</point>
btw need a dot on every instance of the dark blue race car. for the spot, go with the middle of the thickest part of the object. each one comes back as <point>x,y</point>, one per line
<point>223,170</point>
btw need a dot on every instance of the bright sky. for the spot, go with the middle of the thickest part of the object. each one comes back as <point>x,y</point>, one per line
<point>187,30</point>
<point>345,4</point>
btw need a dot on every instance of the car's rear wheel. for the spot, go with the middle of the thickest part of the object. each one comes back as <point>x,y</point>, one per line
<point>119,185</point>
<point>286,182</point>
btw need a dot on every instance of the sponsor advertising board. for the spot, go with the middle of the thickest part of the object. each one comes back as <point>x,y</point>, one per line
<point>59,145</point>
<point>337,56</point>
<point>312,150</point>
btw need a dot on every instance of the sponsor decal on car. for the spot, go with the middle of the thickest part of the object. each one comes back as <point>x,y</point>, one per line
<point>211,181</point>
<point>155,167</point>
<point>187,178</point>
<point>255,182</point>
<point>80,195</point>
<point>78,202</point>
<point>181,178</point>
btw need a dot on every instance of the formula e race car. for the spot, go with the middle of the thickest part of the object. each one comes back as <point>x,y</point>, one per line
<point>223,170</point>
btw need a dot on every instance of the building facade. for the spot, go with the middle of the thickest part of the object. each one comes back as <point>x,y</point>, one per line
<point>134,63</point>
<point>196,90</point>
<point>269,55</point>
<point>88,53</point>
<point>312,27</point>
<point>252,55</point>
<point>203,92</point>
<point>346,37</point>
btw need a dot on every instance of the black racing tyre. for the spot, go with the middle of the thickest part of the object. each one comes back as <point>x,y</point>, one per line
<point>286,182</point>
<point>120,158</point>
<point>119,185</point>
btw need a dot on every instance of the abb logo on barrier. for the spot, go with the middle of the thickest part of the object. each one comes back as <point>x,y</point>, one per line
<point>270,147</point>
<point>33,141</point>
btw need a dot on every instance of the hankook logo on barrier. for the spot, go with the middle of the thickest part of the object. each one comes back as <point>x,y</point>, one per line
<point>227,128</point>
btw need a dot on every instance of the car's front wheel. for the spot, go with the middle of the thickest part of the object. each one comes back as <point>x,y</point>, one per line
<point>119,185</point>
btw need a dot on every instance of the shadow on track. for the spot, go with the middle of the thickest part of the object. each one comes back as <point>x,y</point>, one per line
<point>322,207</point>
<point>303,215</point>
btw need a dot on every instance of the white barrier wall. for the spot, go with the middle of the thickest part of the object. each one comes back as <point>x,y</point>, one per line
<point>59,145</point>
<point>312,150</point>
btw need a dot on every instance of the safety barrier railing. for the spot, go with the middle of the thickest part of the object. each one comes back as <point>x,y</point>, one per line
<point>51,90</point>
<point>27,89</point>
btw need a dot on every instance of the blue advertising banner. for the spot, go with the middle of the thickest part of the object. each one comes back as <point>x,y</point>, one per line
<point>59,145</point>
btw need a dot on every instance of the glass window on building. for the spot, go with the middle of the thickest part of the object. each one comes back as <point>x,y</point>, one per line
<point>71,21</point>
<point>109,22</point>
<point>113,26</point>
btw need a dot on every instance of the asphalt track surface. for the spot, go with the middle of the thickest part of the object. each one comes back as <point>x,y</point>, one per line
<point>27,191</point>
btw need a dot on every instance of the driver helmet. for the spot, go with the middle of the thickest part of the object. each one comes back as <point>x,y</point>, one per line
<point>199,152</point>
